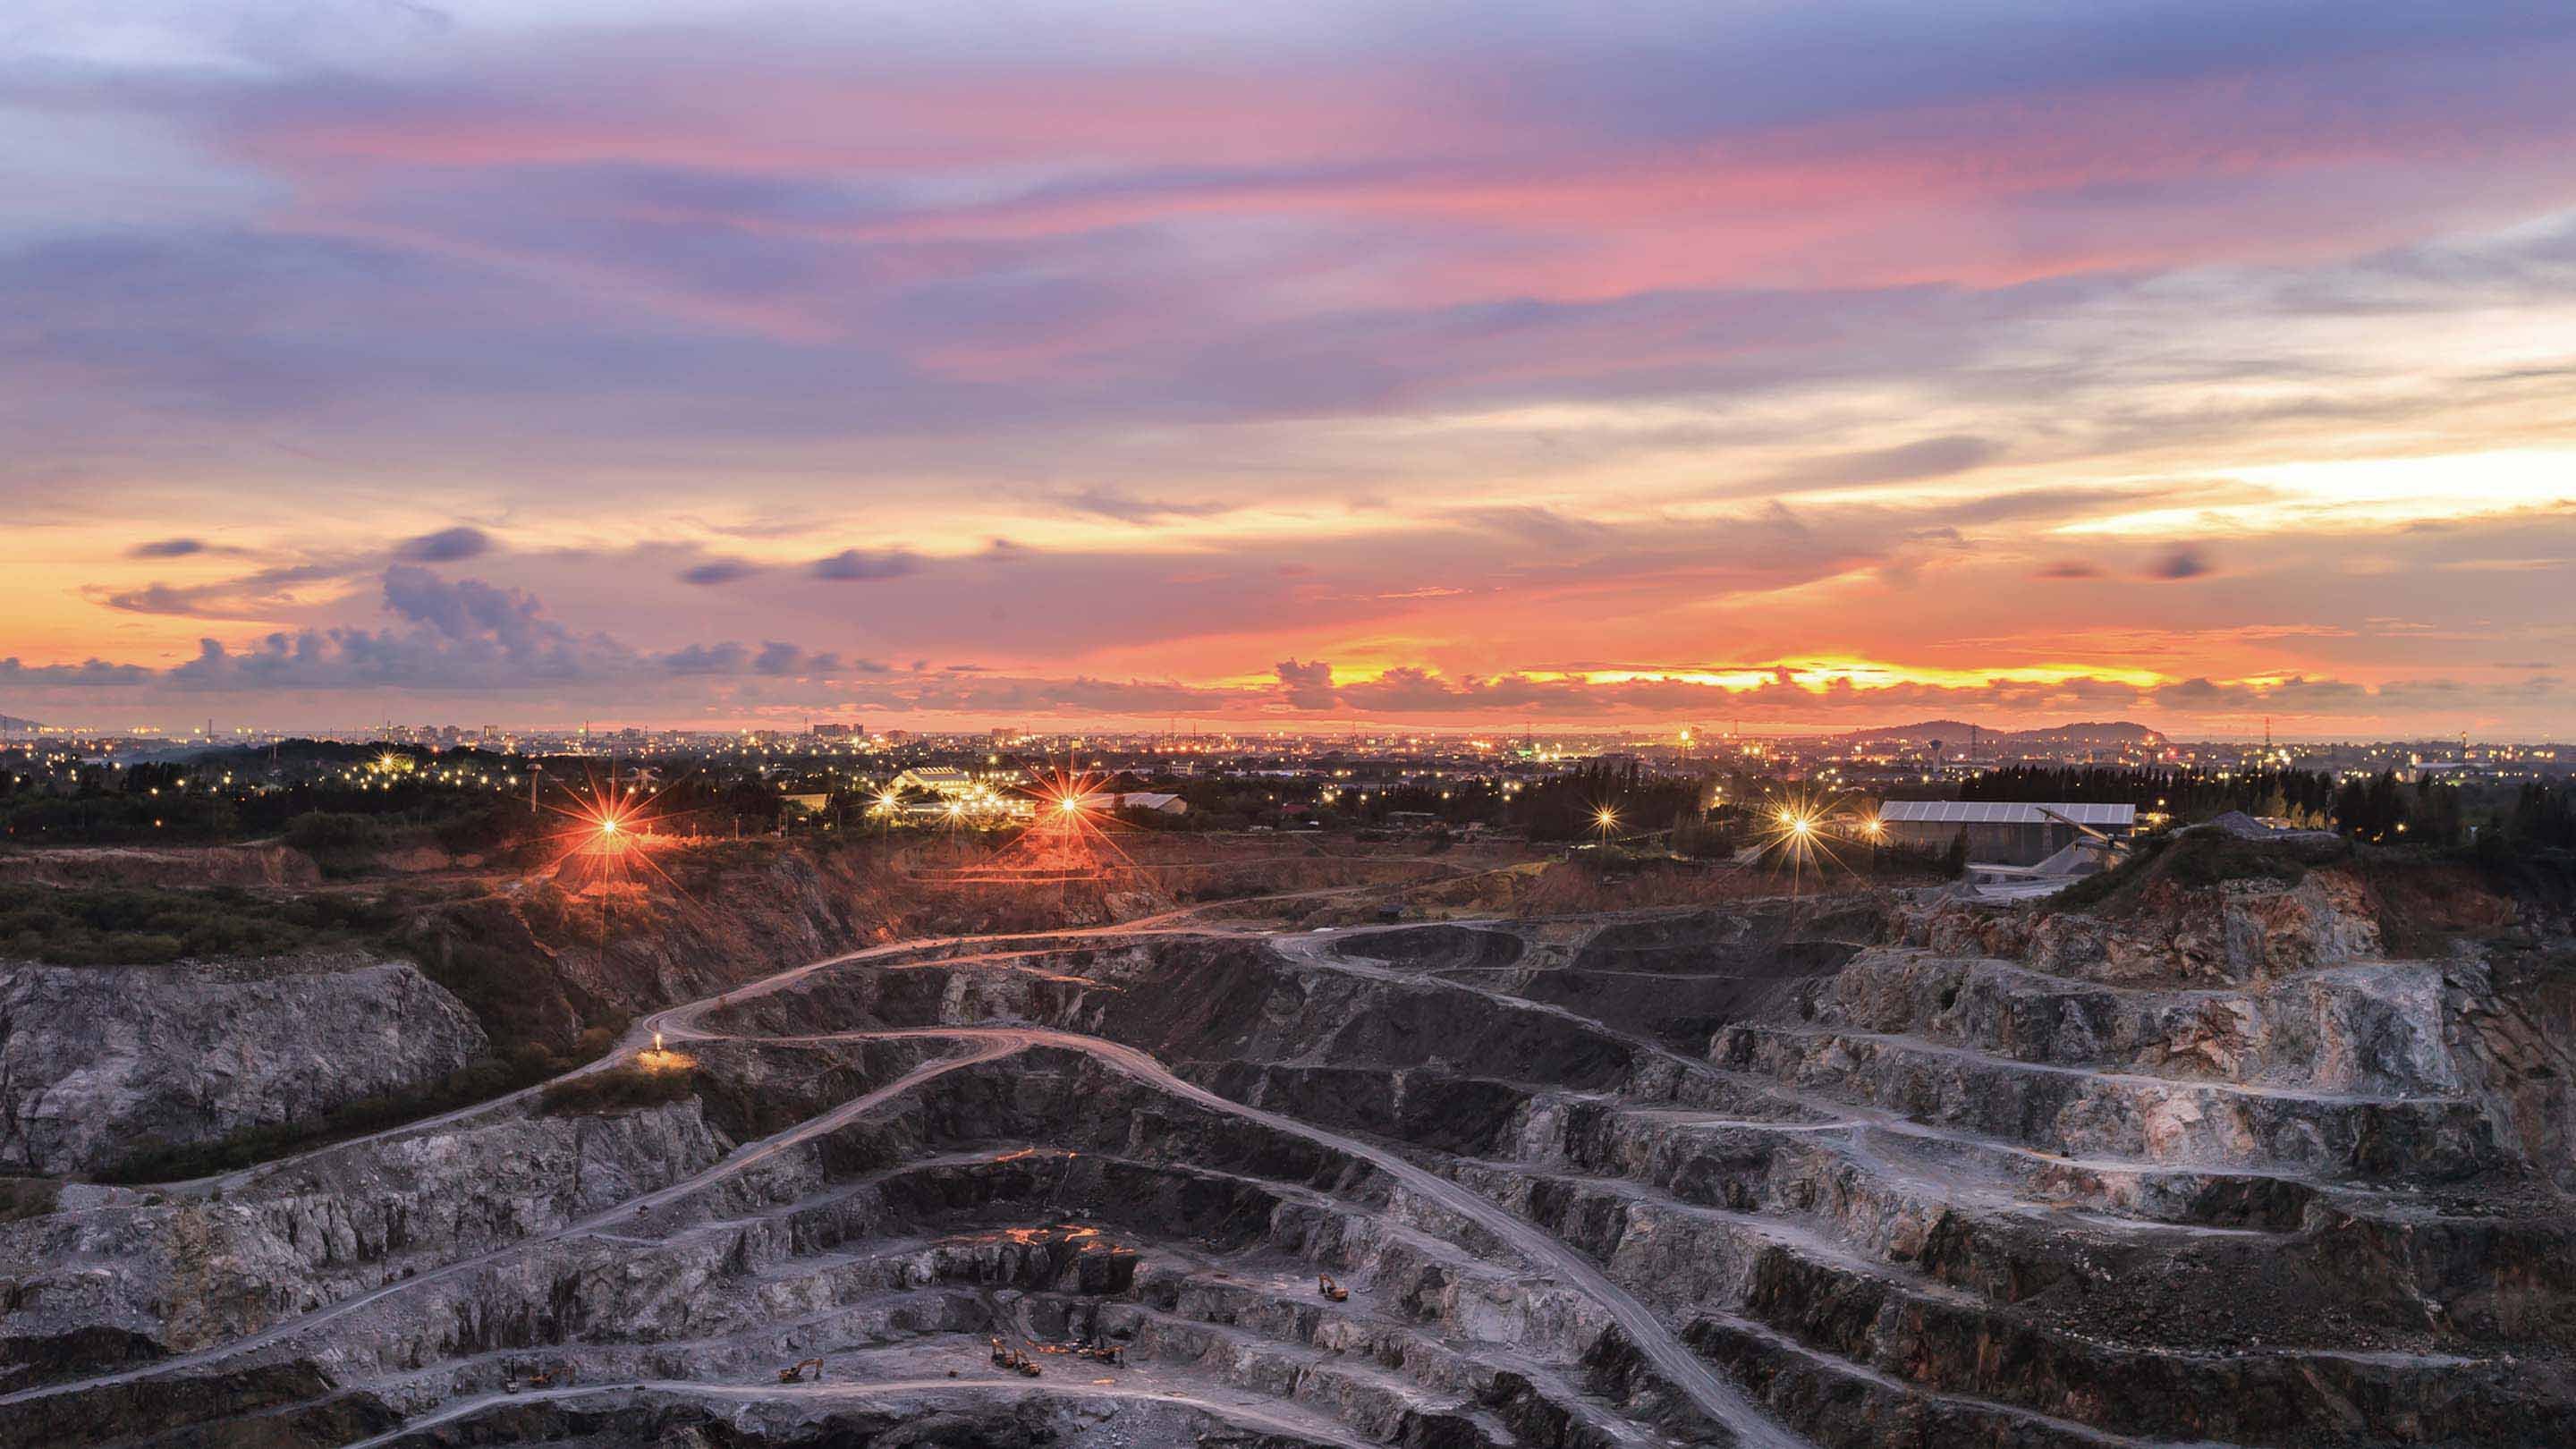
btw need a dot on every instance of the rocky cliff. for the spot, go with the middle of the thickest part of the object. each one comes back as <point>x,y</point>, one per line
<point>97,1060</point>
<point>2218,1165</point>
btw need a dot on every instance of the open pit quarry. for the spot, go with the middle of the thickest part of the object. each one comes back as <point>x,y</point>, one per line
<point>1858,1172</point>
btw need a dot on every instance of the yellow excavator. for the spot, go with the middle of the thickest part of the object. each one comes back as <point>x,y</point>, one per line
<point>795,1373</point>
<point>1014,1360</point>
<point>1333,1292</point>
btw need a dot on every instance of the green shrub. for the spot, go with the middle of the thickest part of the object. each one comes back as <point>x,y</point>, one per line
<point>28,1197</point>
<point>2195,859</point>
<point>325,833</point>
<point>618,1089</point>
<point>488,831</point>
<point>2211,857</point>
<point>147,926</point>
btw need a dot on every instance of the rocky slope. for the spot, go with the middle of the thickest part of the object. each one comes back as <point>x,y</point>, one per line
<point>96,1060</point>
<point>2215,1167</point>
<point>262,864</point>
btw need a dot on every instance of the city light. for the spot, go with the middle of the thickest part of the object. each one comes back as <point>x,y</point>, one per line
<point>1801,831</point>
<point>605,829</point>
<point>1605,819</point>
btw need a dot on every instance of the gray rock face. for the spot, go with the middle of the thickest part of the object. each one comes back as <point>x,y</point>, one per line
<point>2192,1184</point>
<point>98,1060</point>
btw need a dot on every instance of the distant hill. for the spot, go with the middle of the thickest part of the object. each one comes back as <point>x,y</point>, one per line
<point>2105,732</point>
<point>1930,729</point>
<point>10,724</point>
<point>1954,733</point>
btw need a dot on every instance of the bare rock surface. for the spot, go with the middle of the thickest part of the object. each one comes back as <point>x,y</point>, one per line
<point>257,863</point>
<point>98,1060</point>
<point>2215,1169</point>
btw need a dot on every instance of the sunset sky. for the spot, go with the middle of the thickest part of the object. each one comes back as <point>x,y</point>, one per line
<point>1303,364</point>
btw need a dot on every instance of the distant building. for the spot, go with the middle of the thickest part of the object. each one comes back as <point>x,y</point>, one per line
<point>945,781</point>
<point>1147,800</point>
<point>2002,832</point>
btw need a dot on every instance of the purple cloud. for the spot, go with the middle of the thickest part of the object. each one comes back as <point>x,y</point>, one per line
<point>2180,563</point>
<point>448,545</point>
<point>719,571</point>
<point>1306,684</point>
<point>855,564</point>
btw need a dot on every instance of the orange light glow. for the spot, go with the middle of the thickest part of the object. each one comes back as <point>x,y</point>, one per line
<point>606,827</point>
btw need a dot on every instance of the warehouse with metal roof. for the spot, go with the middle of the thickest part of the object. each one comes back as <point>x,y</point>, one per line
<point>2003,832</point>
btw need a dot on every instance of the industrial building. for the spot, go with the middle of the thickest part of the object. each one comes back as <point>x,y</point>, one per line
<point>1153,802</point>
<point>2003,832</point>
<point>959,795</point>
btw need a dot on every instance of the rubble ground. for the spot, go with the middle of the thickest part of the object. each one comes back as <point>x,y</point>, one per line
<point>1865,1172</point>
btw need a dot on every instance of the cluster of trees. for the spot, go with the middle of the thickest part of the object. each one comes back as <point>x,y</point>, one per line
<point>2385,808</point>
<point>2381,808</point>
<point>1707,837</point>
<point>2542,816</point>
<point>321,796</point>
<point>2186,794</point>
<point>104,805</point>
<point>228,795</point>
<point>1568,807</point>
<point>138,926</point>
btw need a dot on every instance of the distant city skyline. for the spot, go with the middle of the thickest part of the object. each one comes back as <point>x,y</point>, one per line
<point>1966,741</point>
<point>1313,366</point>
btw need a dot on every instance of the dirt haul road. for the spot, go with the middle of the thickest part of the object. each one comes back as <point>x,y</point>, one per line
<point>1651,1337</point>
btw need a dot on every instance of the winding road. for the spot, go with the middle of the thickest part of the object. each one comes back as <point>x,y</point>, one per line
<point>1720,1401</point>
<point>841,1393</point>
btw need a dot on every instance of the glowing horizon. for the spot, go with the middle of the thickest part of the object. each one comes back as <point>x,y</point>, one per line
<point>1633,365</point>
